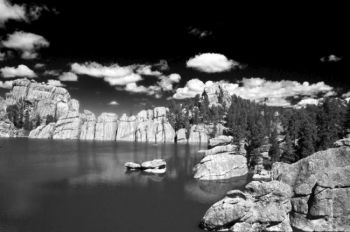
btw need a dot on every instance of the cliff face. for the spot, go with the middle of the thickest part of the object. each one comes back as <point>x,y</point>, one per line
<point>312,194</point>
<point>60,119</point>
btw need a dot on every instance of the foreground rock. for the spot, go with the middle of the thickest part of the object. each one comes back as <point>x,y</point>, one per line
<point>221,166</point>
<point>264,206</point>
<point>7,129</point>
<point>321,186</point>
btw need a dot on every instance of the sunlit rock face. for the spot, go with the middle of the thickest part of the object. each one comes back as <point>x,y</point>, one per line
<point>106,126</point>
<point>147,126</point>
<point>198,134</point>
<point>45,99</point>
<point>321,185</point>
<point>7,129</point>
<point>220,167</point>
<point>68,127</point>
<point>215,91</point>
<point>88,126</point>
<point>263,206</point>
<point>181,136</point>
<point>43,131</point>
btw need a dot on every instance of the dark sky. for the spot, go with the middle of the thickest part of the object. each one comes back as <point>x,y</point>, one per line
<point>274,41</point>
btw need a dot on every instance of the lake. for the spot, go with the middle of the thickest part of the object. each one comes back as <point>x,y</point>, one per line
<point>72,186</point>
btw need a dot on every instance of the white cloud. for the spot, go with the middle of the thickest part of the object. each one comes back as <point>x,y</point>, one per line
<point>26,43</point>
<point>346,95</point>
<point>6,84</point>
<point>331,58</point>
<point>52,72</point>
<point>39,65</point>
<point>212,63</point>
<point>56,83</point>
<point>192,88</point>
<point>134,88</point>
<point>274,93</point>
<point>68,76</point>
<point>20,71</point>
<point>147,70</point>
<point>166,82</point>
<point>113,74</point>
<point>113,103</point>
<point>10,11</point>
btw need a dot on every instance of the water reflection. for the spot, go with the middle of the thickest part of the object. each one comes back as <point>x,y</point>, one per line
<point>43,183</point>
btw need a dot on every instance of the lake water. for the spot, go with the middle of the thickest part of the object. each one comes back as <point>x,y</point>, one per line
<point>72,186</point>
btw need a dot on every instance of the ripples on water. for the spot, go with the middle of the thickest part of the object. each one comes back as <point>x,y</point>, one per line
<point>63,186</point>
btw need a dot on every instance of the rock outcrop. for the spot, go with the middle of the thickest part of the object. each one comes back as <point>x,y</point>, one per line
<point>221,166</point>
<point>312,194</point>
<point>220,140</point>
<point>321,186</point>
<point>68,127</point>
<point>106,127</point>
<point>198,134</point>
<point>263,206</point>
<point>88,126</point>
<point>7,129</point>
<point>48,104</point>
<point>43,131</point>
<point>230,148</point>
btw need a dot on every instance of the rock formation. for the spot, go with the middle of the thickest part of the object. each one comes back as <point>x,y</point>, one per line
<point>221,166</point>
<point>106,126</point>
<point>220,140</point>
<point>88,126</point>
<point>312,194</point>
<point>321,186</point>
<point>43,131</point>
<point>48,104</point>
<point>264,206</point>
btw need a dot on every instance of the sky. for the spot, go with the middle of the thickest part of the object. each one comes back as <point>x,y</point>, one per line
<point>120,57</point>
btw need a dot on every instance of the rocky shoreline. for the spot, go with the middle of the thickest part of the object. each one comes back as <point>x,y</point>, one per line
<point>312,194</point>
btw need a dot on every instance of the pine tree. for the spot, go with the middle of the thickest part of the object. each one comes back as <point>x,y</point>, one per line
<point>274,151</point>
<point>27,125</point>
<point>306,143</point>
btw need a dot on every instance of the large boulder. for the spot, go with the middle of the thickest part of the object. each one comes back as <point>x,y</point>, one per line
<point>88,126</point>
<point>68,127</point>
<point>264,206</point>
<point>43,131</point>
<point>221,166</point>
<point>220,140</point>
<point>230,148</point>
<point>106,126</point>
<point>321,186</point>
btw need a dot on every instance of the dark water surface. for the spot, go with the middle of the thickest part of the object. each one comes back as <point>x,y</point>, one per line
<point>72,186</point>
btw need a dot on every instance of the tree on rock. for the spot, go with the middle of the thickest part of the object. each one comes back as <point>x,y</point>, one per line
<point>274,151</point>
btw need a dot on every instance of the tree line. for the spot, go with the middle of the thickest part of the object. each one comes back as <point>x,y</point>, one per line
<point>290,133</point>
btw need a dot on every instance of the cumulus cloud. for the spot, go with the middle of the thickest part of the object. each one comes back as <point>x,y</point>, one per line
<point>166,82</point>
<point>147,70</point>
<point>20,71</point>
<point>56,83</point>
<point>113,103</point>
<point>68,76</point>
<point>27,43</point>
<point>331,58</point>
<point>52,73</point>
<point>9,11</point>
<point>39,65</point>
<point>212,63</point>
<point>346,95</point>
<point>274,93</point>
<point>6,84</point>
